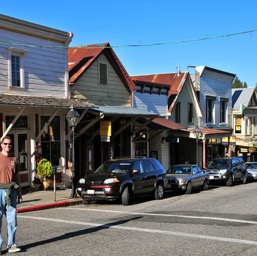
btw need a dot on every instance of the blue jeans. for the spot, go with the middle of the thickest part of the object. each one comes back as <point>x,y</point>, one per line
<point>11,216</point>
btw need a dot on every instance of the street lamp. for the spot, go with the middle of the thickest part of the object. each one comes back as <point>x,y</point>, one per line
<point>73,118</point>
<point>198,133</point>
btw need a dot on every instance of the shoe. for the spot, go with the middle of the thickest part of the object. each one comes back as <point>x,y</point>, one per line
<point>14,248</point>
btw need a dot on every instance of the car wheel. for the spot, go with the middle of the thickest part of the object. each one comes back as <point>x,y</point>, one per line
<point>244,179</point>
<point>205,185</point>
<point>229,182</point>
<point>86,202</point>
<point>125,197</point>
<point>189,188</point>
<point>159,192</point>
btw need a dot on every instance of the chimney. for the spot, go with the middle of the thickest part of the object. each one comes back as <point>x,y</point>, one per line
<point>178,71</point>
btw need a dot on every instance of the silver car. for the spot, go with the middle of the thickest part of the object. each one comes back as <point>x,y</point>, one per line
<point>185,177</point>
<point>251,168</point>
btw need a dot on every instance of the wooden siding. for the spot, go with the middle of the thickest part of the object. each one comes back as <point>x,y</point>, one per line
<point>44,67</point>
<point>150,102</point>
<point>185,97</point>
<point>88,87</point>
<point>216,88</point>
<point>162,148</point>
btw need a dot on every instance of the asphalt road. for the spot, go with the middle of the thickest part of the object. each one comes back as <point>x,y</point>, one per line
<point>219,221</point>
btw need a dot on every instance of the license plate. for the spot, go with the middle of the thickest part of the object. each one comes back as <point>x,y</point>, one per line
<point>90,191</point>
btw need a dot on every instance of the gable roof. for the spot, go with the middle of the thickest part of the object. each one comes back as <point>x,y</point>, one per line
<point>241,97</point>
<point>81,58</point>
<point>175,81</point>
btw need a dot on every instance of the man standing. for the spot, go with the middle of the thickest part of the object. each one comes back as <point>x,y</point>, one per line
<point>9,181</point>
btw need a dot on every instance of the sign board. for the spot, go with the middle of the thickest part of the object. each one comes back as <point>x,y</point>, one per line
<point>105,138</point>
<point>105,128</point>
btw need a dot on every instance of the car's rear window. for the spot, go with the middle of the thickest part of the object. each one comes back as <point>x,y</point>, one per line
<point>219,163</point>
<point>176,169</point>
<point>117,167</point>
<point>251,165</point>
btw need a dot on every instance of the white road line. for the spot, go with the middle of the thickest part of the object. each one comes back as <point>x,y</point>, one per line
<point>147,230</point>
<point>166,215</point>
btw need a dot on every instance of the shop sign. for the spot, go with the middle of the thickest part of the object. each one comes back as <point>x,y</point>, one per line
<point>252,150</point>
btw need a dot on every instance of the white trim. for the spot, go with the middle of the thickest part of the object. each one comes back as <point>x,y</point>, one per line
<point>20,53</point>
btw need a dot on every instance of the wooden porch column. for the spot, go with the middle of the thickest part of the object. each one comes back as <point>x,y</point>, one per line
<point>204,154</point>
<point>229,149</point>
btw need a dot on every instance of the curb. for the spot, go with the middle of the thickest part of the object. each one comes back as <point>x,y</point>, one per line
<point>47,206</point>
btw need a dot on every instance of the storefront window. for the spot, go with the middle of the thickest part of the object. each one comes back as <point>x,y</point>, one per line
<point>140,144</point>
<point>50,139</point>
<point>21,122</point>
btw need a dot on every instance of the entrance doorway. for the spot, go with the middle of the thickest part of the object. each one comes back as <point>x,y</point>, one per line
<point>20,151</point>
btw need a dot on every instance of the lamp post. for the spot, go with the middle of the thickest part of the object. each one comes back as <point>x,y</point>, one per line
<point>197,132</point>
<point>73,118</point>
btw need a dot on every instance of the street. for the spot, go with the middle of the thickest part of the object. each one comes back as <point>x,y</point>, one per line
<point>219,221</point>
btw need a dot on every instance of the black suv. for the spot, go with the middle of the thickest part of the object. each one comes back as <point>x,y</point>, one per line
<point>227,170</point>
<point>123,179</point>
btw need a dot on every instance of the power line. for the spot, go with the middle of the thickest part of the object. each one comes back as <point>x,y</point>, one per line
<point>136,45</point>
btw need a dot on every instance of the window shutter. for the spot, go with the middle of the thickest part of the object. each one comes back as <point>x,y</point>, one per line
<point>103,73</point>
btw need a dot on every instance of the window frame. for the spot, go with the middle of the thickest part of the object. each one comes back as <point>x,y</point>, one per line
<point>100,64</point>
<point>20,53</point>
<point>223,110</point>
<point>178,113</point>
<point>190,118</point>
<point>210,109</point>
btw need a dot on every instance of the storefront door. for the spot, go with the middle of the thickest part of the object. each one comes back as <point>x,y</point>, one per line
<point>20,151</point>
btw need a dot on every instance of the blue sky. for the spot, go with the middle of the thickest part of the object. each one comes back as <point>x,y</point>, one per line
<point>169,22</point>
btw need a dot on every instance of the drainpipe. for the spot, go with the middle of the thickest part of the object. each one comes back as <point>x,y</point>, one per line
<point>66,78</point>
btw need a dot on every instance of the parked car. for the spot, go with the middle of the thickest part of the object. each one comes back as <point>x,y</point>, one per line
<point>123,179</point>
<point>186,177</point>
<point>228,170</point>
<point>251,168</point>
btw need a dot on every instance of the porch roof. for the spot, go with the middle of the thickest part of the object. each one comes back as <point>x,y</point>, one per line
<point>177,129</point>
<point>31,101</point>
<point>123,111</point>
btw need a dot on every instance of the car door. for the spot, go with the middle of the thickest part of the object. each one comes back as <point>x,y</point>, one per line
<point>138,178</point>
<point>236,168</point>
<point>149,176</point>
<point>201,176</point>
<point>196,177</point>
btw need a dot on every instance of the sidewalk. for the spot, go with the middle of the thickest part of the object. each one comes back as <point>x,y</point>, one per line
<point>40,200</point>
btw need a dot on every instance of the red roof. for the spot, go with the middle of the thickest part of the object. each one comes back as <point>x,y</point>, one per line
<point>168,123</point>
<point>81,58</point>
<point>174,80</point>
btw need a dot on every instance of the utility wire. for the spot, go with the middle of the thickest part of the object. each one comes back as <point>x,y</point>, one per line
<point>134,45</point>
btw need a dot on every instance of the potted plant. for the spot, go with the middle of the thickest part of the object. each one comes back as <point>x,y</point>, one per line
<point>37,183</point>
<point>45,170</point>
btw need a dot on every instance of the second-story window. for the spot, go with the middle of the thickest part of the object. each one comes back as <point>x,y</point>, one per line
<point>209,110</point>
<point>16,67</point>
<point>223,110</point>
<point>16,74</point>
<point>177,113</point>
<point>190,113</point>
<point>103,73</point>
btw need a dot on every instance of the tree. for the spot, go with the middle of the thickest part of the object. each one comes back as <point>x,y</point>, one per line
<point>237,83</point>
